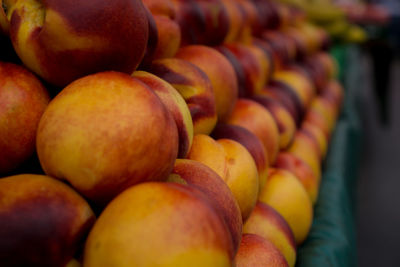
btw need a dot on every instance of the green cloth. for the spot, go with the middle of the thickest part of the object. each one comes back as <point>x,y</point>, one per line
<point>332,240</point>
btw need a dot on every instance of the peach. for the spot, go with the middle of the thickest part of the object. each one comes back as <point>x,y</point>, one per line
<point>237,66</point>
<point>301,170</point>
<point>202,21</point>
<point>161,7</point>
<point>194,86</point>
<point>306,148</point>
<point>283,119</point>
<point>23,100</point>
<point>219,71</point>
<point>198,175</point>
<point>258,120</point>
<point>266,222</point>
<point>175,104</point>
<point>316,71</point>
<point>250,142</point>
<point>256,251</point>
<point>95,132</point>
<point>152,40</point>
<point>287,97</point>
<point>279,45</point>
<point>284,192</point>
<point>329,63</point>
<point>299,40</point>
<point>299,83</point>
<point>315,132</point>
<point>317,119</point>
<point>169,37</point>
<point>252,21</point>
<point>64,40</point>
<point>256,66</point>
<point>236,20</point>
<point>327,109</point>
<point>158,224</point>
<point>230,160</point>
<point>271,56</point>
<point>333,92</point>
<point>43,222</point>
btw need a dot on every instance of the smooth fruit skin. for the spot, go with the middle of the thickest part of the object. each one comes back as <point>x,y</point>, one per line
<point>250,142</point>
<point>266,222</point>
<point>106,132</point>
<point>62,40</point>
<point>194,86</point>
<point>258,120</point>
<point>230,160</point>
<point>158,224</point>
<point>302,171</point>
<point>256,251</point>
<point>220,72</point>
<point>23,100</point>
<point>175,104</point>
<point>43,222</point>
<point>200,176</point>
<point>284,192</point>
<point>284,121</point>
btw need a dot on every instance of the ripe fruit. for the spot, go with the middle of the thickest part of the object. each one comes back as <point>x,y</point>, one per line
<point>158,224</point>
<point>284,192</point>
<point>199,176</point>
<point>256,251</point>
<point>23,100</point>
<point>64,40</point>
<point>42,221</point>
<point>106,132</point>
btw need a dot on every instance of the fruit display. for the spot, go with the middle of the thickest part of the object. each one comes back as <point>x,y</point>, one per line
<point>161,132</point>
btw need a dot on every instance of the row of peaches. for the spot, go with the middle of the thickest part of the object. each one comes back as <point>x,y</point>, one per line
<point>206,156</point>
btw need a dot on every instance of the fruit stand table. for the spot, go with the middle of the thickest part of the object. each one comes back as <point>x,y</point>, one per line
<point>332,240</point>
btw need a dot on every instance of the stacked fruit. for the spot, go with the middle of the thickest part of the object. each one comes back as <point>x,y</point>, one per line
<point>208,155</point>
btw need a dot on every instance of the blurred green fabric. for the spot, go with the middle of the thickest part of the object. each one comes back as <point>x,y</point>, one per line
<point>332,240</point>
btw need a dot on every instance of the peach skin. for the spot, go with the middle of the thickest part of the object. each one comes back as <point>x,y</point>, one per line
<point>175,104</point>
<point>256,251</point>
<point>43,222</point>
<point>250,142</point>
<point>158,224</point>
<point>230,160</point>
<point>62,40</point>
<point>266,222</point>
<point>255,63</point>
<point>258,120</point>
<point>194,86</point>
<point>200,176</point>
<point>306,148</point>
<point>301,170</point>
<point>23,100</point>
<point>95,132</point>
<point>283,119</point>
<point>284,192</point>
<point>220,72</point>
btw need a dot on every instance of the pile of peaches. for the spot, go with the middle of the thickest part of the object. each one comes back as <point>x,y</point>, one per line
<point>179,132</point>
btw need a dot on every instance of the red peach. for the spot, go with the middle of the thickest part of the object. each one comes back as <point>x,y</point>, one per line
<point>23,100</point>
<point>64,40</point>
<point>219,71</point>
<point>43,222</point>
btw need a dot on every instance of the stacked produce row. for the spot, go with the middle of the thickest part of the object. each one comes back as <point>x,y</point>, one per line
<point>179,133</point>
